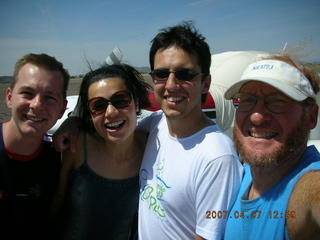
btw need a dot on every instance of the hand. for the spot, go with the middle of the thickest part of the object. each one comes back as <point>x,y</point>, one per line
<point>65,138</point>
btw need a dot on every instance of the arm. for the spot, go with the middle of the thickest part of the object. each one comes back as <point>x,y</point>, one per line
<point>66,136</point>
<point>68,160</point>
<point>305,204</point>
<point>315,198</point>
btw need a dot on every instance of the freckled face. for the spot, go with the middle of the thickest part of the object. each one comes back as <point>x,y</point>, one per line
<point>36,101</point>
<point>265,138</point>
<point>114,124</point>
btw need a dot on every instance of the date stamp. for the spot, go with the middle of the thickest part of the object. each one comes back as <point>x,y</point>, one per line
<point>250,215</point>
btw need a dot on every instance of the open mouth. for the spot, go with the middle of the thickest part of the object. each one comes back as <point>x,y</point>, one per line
<point>115,125</point>
<point>34,119</point>
<point>269,135</point>
<point>174,100</point>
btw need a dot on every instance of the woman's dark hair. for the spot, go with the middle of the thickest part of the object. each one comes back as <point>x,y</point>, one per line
<point>132,79</point>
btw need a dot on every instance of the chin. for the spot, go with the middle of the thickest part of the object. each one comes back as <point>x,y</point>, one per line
<point>264,159</point>
<point>172,113</point>
<point>117,139</point>
<point>33,133</point>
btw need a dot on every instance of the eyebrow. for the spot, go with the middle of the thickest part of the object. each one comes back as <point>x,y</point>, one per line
<point>33,90</point>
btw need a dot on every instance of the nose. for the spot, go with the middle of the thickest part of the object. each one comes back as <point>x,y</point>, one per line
<point>111,111</point>
<point>35,102</point>
<point>172,82</point>
<point>260,114</point>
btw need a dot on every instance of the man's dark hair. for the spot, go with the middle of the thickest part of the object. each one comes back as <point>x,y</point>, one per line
<point>186,37</point>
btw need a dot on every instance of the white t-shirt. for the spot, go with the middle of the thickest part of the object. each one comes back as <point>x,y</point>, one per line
<point>181,179</point>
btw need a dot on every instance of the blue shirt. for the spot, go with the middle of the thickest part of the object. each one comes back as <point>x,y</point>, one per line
<point>265,217</point>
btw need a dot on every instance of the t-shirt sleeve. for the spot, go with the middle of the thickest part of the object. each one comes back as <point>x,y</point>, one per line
<point>217,186</point>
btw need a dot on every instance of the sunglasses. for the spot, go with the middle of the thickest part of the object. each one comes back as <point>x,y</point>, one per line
<point>274,103</point>
<point>119,100</point>
<point>183,74</point>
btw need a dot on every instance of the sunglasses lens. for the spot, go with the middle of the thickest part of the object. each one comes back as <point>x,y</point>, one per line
<point>160,74</point>
<point>121,100</point>
<point>185,74</point>
<point>98,105</point>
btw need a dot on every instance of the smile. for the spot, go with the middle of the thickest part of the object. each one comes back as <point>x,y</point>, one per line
<point>34,119</point>
<point>262,135</point>
<point>174,99</point>
<point>115,125</point>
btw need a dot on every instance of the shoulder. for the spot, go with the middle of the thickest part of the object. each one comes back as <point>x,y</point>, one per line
<point>307,189</point>
<point>216,143</point>
<point>216,155</point>
<point>305,203</point>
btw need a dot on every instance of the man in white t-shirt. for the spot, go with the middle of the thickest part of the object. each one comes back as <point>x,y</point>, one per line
<point>190,173</point>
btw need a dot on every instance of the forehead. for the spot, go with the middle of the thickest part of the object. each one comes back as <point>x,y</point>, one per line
<point>175,56</point>
<point>38,77</point>
<point>259,88</point>
<point>106,87</point>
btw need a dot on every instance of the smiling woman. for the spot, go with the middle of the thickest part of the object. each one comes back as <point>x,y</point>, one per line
<point>99,186</point>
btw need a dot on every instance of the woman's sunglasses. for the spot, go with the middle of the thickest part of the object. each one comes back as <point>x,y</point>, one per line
<point>119,100</point>
<point>183,74</point>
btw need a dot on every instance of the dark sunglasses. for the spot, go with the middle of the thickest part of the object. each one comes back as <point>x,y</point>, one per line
<point>183,74</point>
<point>119,100</point>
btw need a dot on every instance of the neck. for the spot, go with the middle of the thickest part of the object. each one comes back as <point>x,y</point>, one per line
<point>264,179</point>
<point>17,143</point>
<point>185,127</point>
<point>124,151</point>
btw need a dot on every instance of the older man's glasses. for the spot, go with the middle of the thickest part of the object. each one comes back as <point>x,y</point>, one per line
<point>275,103</point>
<point>119,100</point>
<point>184,74</point>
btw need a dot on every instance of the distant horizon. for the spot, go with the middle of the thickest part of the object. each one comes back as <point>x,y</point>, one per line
<point>147,69</point>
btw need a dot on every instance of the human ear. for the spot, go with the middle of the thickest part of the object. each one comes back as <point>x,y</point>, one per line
<point>313,116</point>
<point>9,97</point>
<point>206,84</point>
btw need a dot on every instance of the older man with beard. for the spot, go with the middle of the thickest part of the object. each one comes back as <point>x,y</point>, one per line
<point>280,194</point>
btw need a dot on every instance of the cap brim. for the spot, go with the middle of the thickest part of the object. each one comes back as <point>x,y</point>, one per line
<point>282,87</point>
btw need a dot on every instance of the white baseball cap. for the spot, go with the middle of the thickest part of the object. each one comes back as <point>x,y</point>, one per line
<point>278,74</point>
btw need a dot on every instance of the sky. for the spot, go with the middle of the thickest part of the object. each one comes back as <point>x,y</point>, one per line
<point>77,31</point>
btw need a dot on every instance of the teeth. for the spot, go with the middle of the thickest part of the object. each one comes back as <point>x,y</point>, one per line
<point>262,135</point>
<point>34,119</point>
<point>174,99</point>
<point>114,124</point>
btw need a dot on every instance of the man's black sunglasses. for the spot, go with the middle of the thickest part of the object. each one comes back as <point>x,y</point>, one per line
<point>183,74</point>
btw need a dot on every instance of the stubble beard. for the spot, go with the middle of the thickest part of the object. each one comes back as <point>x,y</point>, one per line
<point>287,151</point>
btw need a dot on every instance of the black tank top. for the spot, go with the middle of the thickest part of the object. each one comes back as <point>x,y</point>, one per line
<point>99,208</point>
